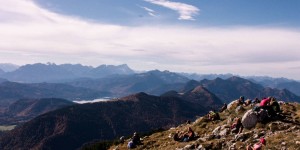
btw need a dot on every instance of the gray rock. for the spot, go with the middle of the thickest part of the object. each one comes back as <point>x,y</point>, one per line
<point>249,119</point>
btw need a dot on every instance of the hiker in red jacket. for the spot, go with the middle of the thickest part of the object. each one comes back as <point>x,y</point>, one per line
<point>265,102</point>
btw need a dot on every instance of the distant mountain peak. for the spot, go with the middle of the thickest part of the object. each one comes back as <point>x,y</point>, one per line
<point>199,89</point>
<point>236,78</point>
<point>135,97</point>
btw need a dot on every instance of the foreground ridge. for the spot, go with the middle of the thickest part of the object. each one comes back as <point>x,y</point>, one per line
<point>280,134</point>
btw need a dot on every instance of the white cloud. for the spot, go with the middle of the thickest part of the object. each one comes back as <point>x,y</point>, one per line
<point>150,11</point>
<point>43,36</point>
<point>186,12</point>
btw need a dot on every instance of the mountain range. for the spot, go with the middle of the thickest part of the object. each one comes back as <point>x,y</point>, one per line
<point>35,73</point>
<point>279,83</point>
<point>153,82</point>
<point>234,87</point>
<point>50,72</point>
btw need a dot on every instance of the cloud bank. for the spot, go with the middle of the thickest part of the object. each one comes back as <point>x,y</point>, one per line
<point>31,34</point>
<point>186,12</point>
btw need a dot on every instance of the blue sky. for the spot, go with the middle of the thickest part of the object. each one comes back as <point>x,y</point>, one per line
<point>210,12</point>
<point>204,36</point>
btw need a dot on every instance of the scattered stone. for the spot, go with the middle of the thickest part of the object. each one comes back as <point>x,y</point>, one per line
<point>188,147</point>
<point>200,147</point>
<point>229,120</point>
<point>210,137</point>
<point>216,130</point>
<point>201,140</point>
<point>283,143</point>
<point>255,136</point>
<point>232,147</point>
<point>239,109</point>
<point>298,142</point>
<point>224,132</point>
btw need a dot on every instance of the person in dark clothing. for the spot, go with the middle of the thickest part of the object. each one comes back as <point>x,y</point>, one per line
<point>275,105</point>
<point>189,135</point>
<point>237,126</point>
<point>241,100</point>
<point>184,136</point>
<point>212,115</point>
<point>224,107</point>
<point>177,136</point>
<point>256,101</point>
<point>136,139</point>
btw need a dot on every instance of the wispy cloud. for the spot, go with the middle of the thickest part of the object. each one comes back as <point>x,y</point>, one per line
<point>186,11</point>
<point>32,34</point>
<point>151,12</point>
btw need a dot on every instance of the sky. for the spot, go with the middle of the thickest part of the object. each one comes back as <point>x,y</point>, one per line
<point>195,36</point>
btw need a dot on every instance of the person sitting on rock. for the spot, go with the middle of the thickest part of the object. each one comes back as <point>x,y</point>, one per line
<point>265,102</point>
<point>224,107</point>
<point>136,139</point>
<point>237,126</point>
<point>188,135</point>
<point>247,102</point>
<point>212,115</point>
<point>275,105</point>
<point>184,136</point>
<point>178,136</point>
<point>257,146</point>
<point>256,101</point>
<point>241,100</point>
